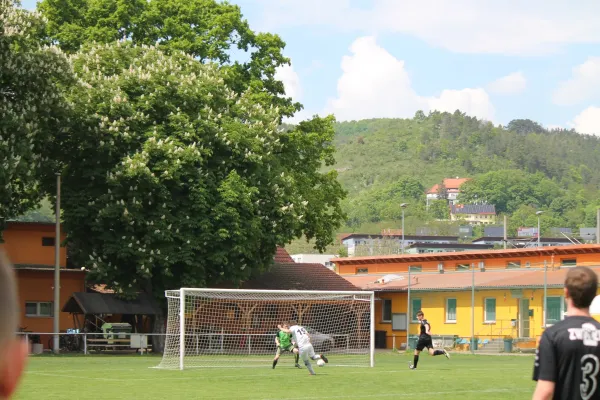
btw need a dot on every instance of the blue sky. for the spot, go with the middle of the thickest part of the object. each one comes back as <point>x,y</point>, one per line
<point>388,58</point>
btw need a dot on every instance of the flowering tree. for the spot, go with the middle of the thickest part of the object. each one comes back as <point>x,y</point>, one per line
<point>31,106</point>
<point>207,29</point>
<point>173,179</point>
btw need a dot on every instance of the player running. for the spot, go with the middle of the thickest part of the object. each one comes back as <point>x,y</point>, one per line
<point>305,348</point>
<point>425,341</point>
<point>283,340</point>
<point>567,361</point>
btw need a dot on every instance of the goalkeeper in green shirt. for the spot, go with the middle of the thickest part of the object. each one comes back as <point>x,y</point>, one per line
<point>283,340</point>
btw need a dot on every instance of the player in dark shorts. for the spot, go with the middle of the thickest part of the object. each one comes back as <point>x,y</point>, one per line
<point>284,343</point>
<point>425,342</point>
<point>567,362</point>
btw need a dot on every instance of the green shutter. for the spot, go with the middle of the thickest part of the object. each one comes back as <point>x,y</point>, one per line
<point>490,309</point>
<point>416,307</point>
<point>553,310</point>
<point>451,310</point>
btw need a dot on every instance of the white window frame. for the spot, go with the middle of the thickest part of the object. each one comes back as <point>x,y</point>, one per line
<point>451,321</point>
<point>383,311</point>
<point>38,313</point>
<point>485,310</point>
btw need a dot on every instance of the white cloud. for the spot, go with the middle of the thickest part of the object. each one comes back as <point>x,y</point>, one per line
<point>375,84</point>
<point>474,102</point>
<point>466,26</point>
<point>510,84</point>
<point>588,121</point>
<point>583,85</point>
<point>291,81</point>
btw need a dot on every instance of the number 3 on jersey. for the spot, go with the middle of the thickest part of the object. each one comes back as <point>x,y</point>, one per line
<point>590,365</point>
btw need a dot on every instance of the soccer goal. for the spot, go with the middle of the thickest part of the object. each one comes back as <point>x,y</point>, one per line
<point>237,328</point>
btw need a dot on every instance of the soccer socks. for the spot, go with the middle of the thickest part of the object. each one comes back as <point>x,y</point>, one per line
<point>310,368</point>
<point>274,363</point>
<point>438,352</point>
<point>297,358</point>
<point>415,361</point>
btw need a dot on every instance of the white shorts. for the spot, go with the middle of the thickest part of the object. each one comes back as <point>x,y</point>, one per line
<point>307,352</point>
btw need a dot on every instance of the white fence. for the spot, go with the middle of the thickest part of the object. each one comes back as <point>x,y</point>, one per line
<point>203,343</point>
<point>90,342</point>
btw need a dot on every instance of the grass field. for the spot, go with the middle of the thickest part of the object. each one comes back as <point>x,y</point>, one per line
<point>127,377</point>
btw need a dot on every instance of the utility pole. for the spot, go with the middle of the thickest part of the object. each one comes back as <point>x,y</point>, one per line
<point>57,269</point>
<point>403,205</point>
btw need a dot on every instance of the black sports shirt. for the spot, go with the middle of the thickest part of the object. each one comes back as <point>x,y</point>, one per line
<point>569,356</point>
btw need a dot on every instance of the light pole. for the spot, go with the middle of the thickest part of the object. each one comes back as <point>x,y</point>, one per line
<point>56,321</point>
<point>539,233</point>
<point>403,205</point>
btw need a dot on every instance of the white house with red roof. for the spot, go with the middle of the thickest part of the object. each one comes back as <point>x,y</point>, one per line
<point>452,189</point>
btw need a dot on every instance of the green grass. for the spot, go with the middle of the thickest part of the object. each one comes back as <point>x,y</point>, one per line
<point>127,377</point>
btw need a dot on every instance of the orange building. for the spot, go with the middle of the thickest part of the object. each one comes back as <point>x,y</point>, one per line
<point>30,247</point>
<point>488,295</point>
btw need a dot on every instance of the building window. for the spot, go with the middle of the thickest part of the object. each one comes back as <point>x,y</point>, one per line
<point>362,270</point>
<point>513,264</point>
<point>415,307</point>
<point>386,311</point>
<point>47,241</point>
<point>568,262</point>
<point>451,310</point>
<point>462,267</point>
<point>39,309</point>
<point>415,268</point>
<point>490,310</point>
<point>554,309</point>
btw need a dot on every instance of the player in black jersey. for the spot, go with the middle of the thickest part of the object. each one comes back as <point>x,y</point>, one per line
<point>567,362</point>
<point>425,341</point>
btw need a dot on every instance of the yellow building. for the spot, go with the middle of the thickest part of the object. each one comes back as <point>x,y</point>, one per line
<point>475,214</point>
<point>488,295</point>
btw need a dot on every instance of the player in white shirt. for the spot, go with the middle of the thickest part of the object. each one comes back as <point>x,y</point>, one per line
<point>302,340</point>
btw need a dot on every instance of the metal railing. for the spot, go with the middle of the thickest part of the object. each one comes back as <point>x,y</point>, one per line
<point>500,328</point>
<point>196,343</point>
<point>82,342</point>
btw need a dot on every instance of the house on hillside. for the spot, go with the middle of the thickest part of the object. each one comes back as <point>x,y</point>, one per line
<point>452,189</point>
<point>475,214</point>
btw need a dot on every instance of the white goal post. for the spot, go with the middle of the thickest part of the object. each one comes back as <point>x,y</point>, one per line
<point>237,328</point>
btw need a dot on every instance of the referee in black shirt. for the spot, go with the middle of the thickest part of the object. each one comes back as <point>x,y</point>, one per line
<point>567,362</point>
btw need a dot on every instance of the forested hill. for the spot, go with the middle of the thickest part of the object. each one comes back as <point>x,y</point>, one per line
<point>520,168</point>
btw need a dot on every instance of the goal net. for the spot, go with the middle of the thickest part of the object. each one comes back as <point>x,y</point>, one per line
<point>237,328</point>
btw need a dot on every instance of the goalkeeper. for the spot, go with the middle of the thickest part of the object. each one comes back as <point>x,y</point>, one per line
<point>283,340</point>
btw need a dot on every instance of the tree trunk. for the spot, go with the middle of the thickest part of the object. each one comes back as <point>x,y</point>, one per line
<point>158,342</point>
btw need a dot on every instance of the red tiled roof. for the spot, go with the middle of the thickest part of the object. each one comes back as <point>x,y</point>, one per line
<point>518,278</point>
<point>100,288</point>
<point>282,256</point>
<point>470,255</point>
<point>299,276</point>
<point>452,184</point>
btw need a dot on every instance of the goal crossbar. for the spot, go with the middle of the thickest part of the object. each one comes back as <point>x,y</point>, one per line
<point>218,327</point>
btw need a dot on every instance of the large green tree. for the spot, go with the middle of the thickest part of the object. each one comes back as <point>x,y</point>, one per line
<point>31,106</point>
<point>209,30</point>
<point>509,189</point>
<point>171,178</point>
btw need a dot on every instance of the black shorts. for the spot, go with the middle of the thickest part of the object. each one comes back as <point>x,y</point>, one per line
<point>424,342</point>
